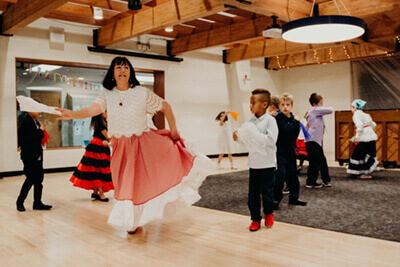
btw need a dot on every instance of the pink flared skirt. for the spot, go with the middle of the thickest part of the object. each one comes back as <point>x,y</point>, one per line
<point>152,175</point>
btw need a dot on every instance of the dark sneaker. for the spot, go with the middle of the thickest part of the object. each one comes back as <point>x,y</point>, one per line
<point>299,170</point>
<point>41,206</point>
<point>286,190</point>
<point>316,185</point>
<point>327,184</point>
<point>20,207</point>
<point>297,202</point>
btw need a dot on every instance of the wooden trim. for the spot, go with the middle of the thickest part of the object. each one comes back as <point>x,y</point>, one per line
<point>159,85</point>
<point>159,89</point>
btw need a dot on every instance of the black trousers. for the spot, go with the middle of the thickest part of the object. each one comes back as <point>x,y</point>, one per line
<point>261,183</point>
<point>287,172</point>
<point>34,177</point>
<point>317,163</point>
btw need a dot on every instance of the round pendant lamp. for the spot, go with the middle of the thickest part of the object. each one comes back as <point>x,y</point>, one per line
<point>323,29</point>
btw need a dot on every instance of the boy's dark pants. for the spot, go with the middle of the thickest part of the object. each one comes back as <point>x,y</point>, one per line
<point>34,177</point>
<point>287,168</point>
<point>317,163</point>
<point>261,182</point>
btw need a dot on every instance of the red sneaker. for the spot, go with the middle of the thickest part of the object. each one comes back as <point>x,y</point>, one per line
<point>254,226</point>
<point>269,220</point>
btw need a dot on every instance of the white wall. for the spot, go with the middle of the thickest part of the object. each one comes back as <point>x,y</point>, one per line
<point>332,81</point>
<point>198,88</point>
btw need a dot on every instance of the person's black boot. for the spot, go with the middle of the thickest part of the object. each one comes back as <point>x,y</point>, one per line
<point>20,206</point>
<point>41,206</point>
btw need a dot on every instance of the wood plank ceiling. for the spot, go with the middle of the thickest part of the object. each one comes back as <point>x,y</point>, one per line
<point>236,25</point>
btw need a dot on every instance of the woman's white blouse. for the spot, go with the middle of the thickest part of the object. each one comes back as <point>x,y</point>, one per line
<point>130,118</point>
<point>364,126</point>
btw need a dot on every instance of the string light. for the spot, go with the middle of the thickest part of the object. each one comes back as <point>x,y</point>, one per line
<point>346,52</point>
<point>316,58</point>
<point>331,55</point>
<point>389,54</point>
<point>279,64</point>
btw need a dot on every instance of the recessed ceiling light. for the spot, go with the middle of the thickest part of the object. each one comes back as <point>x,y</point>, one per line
<point>97,13</point>
<point>227,14</point>
<point>206,20</point>
<point>169,29</point>
<point>187,25</point>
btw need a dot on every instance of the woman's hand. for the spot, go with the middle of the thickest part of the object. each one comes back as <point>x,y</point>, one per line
<point>66,114</point>
<point>43,127</point>
<point>356,141</point>
<point>175,135</point>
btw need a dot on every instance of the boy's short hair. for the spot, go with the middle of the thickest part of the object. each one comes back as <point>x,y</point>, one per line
<point>265,95</point>
<point>315,98</point>
<point>286,97</point>
<point>274,101</point>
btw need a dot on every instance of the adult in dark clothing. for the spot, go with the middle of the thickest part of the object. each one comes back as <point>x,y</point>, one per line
<point>31,134</point>
<point>289,129</point>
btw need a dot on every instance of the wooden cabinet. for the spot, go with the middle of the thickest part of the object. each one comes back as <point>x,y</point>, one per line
<point>387,129</point>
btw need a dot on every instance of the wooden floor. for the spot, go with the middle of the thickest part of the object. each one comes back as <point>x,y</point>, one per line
<point>75,233</point>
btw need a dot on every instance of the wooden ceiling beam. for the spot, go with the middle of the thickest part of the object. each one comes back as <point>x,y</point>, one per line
<point>285,10</point>
<point>156,18</point>
<point>238,32</point>
<point>105,4</point>
<point>358,8</point>
<point>25,12</point>
<point>324,56</point>
<point>84,11</point>
<point>272,48</point>
<point>59,15</point>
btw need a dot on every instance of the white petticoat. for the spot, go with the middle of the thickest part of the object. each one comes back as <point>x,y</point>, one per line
<point>126,216</point>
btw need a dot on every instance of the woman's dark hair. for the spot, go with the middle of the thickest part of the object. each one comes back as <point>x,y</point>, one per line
<point>97,121</point>
<point>109,81</point>
<point>315,98</point>
<point>220,115</point>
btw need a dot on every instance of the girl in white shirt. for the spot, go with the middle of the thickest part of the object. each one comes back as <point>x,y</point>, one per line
<point>363,160</point>
<point>150,168</point>
<point>224,139</point>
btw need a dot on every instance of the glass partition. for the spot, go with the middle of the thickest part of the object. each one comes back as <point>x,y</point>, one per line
<point>66,86</point>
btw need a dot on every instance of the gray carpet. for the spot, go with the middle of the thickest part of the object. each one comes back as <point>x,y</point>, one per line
<point>361,207</point>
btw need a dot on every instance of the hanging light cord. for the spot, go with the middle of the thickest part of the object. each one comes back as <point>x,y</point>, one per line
<point>337,6</point>
<point>345,8</point>
<point>312,8</point>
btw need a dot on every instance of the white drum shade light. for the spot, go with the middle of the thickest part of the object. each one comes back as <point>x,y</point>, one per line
<point>323,29</point>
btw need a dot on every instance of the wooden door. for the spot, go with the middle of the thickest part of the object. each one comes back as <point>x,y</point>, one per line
<point>53,126</point>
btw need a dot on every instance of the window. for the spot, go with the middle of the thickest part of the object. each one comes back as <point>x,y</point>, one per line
<point>67,85</point>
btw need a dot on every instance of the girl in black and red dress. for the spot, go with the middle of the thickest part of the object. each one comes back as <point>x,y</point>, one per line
<point>93,172</point>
